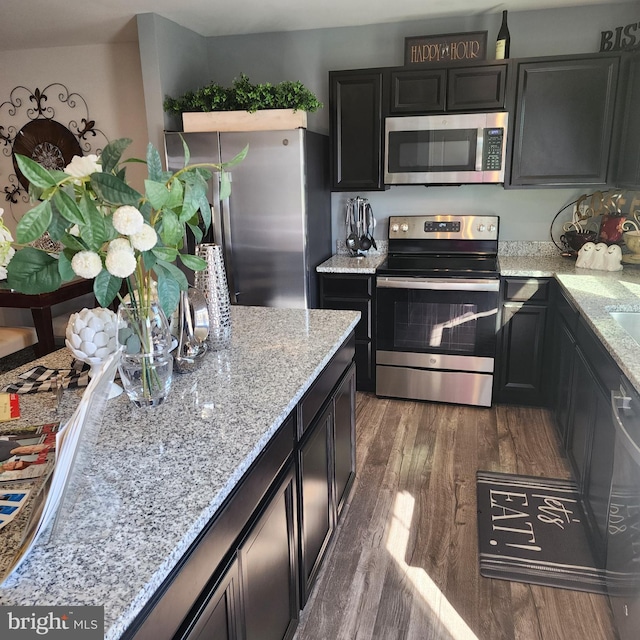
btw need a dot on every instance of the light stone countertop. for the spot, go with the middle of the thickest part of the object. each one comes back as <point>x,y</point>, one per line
<point>166,470</point>
<point>341,263</point>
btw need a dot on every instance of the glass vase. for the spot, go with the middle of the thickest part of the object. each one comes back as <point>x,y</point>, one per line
<point>146,367</point>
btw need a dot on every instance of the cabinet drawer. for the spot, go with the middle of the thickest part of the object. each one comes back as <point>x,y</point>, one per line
<point>527,289</point>
<point>324,385</point>
<point>347,286</point>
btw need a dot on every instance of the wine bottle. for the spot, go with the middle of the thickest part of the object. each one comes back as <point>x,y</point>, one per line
<point>504,39</point>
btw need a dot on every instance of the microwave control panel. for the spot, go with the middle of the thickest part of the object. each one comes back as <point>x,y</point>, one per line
<point>492,149</point>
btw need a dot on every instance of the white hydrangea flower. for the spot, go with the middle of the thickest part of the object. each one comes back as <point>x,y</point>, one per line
<point>83,166</point>
<point>6,250</point>
<point>120,263</point>
<point>86,264</point>
<point>145,239</point>
<point>6,253</point>
<point>120,244</point>
<point>127,220</point>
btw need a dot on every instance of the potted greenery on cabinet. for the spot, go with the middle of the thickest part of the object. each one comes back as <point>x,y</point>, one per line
<point>244,106</point>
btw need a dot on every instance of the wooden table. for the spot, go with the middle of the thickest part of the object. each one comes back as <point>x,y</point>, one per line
<point>40,305</point>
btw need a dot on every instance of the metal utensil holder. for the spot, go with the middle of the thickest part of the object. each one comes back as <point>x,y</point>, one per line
<point>212,281</point>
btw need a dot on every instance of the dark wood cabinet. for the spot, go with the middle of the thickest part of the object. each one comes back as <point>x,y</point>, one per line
<point>344,438</point>
<point>257,596</point>
<point>355,292</point>
<point>218,616</point>
<point>474,88</point>
<point>523,350</point>
<point>316,514</point>
<point>565,345</point>
<point>562,130</point>
<point>326,468</point>
<point>584,375</point>
<point>269,568</point>
<point>356,124</point>
<point>422,91</point>
<point>628,131</point>
<point>477,88</point>
<point>582,418</point>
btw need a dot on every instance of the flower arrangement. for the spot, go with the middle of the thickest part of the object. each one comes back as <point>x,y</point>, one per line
<point>111,232</point>
<point>6,250</point>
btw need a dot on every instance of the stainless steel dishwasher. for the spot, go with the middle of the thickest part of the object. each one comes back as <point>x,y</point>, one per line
<point>623,534</point>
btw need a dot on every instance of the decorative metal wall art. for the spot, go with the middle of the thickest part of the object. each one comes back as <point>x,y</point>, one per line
<point>31,124</point>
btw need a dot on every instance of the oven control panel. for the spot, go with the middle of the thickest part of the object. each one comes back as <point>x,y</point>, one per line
<point>444,227</point>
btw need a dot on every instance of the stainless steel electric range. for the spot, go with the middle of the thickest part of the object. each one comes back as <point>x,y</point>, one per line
<point>437,303</point>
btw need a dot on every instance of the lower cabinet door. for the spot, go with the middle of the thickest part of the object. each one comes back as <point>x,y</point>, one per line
<point>269,569</point>
<point>563,370</point>
<point>344,430</point>
<point>316,513</point>
<point>522,357</point>
<point>583,410</point>
<point>218,619</point>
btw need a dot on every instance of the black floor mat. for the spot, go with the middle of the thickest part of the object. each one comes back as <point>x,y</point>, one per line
<point>534,530</point>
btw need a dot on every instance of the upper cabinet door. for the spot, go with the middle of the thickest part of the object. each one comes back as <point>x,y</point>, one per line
<point>628,152</point>
<point>420,91</point>
<point>477,88</point>
<point>563,125</point>
<point>355,119</point>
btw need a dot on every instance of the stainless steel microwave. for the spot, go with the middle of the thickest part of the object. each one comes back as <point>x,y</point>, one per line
<point>445,149</point>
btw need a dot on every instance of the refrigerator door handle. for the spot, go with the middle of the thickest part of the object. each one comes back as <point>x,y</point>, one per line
<point>227,246</point>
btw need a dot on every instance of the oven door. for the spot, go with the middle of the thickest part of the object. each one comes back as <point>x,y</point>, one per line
<point>436,338</point>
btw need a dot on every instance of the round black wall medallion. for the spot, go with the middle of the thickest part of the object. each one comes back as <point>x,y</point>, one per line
<point>47,142</point>
<point>50,126</point>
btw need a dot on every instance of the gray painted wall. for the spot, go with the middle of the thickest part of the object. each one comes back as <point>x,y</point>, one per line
<point>174,60</point>
<point>308,56</point>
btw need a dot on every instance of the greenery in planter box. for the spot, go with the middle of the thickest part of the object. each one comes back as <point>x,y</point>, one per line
<point>244,96</point>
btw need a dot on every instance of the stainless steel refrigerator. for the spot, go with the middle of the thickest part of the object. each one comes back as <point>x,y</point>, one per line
<point>275,228</point>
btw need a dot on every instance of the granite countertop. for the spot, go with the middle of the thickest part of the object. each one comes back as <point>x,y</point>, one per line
<point>344,263</point>
<point>164,471</point>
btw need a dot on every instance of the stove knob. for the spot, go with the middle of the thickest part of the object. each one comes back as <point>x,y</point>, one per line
<point>405,227</point>
<point>492,227</point>
<point>481,228</point>
<point>395,227</point>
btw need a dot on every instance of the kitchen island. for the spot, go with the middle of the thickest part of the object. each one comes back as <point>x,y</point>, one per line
<point>167,472</point>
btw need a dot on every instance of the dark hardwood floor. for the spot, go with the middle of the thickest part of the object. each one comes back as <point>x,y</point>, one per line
<point>403,563</point>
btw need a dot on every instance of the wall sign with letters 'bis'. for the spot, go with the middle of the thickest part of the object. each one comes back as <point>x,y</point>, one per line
<point>621,38</point>
<point>445,48</point>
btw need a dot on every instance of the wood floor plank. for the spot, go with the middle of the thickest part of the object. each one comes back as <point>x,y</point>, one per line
<point>403,563</point>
